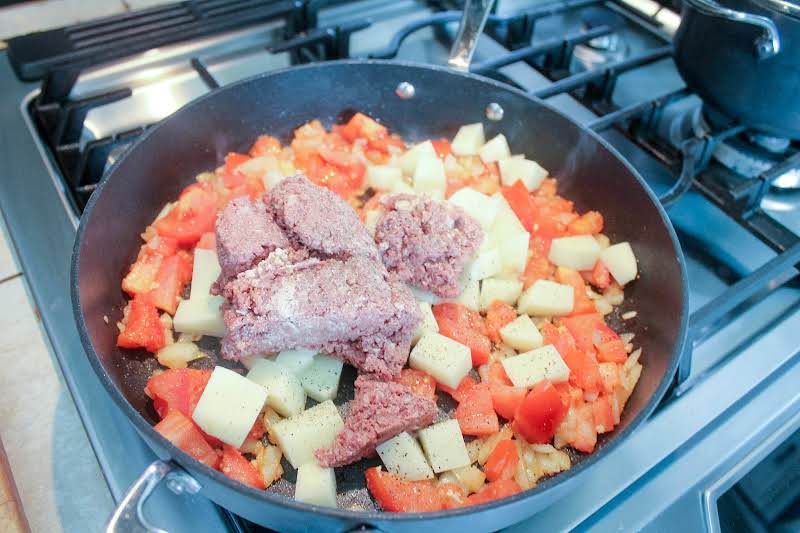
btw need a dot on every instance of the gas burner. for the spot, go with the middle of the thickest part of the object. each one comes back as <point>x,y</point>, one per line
<point>601,50</point>
<point>752,154</point>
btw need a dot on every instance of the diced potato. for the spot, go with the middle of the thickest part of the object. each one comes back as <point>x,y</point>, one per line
<point>402,456</point>
<point>205,272</point>
<point>270,419</point>
<point>229,406</point>
<point>620,261</point>
<point>473,449</point>
<point>521,334</point>
<point>383,177</point>
<point>506,222</point>
<point>285,394</point>
<point>302,434</point>
<point>470,295</point>
<point>470,477</point>
<point>515,169</point>
<point>315,485</point>
<point>513,252</point>
<point>200,316</point>
<point>443,358</point>
<point>547,298</point>
<point>428,323</point>
<point>429,176</point>
<point>371,219</point>
<point>321,379</point>
<point>258,166</point>
<point>503,289</point>
<point>529,368</point>
<point>178,354</point>
<point>401,187</point>
<point>444,446</point>
<point>268,462</point>
<point>488,444</point>
<point>295,361</point>
<point>424,296</point>
<point>579,252</point>
<point>408,161</point>
<point>495,149</point>
<point>476,204</point>
<point>485,265</point>
<point>468,140</point>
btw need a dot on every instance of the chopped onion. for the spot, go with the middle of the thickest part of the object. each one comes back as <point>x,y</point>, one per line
<point>629,315</point>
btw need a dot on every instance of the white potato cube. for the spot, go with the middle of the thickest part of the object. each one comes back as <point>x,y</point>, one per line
<point>315,485</point>
<point>443,358</point>
<point>302,434</point>
<point>256,167</point>
<point>579,252</point>
<point>514,253</point>
<point>371,219</point>
<point>229,406</point>
<point>285,394</point>
<point>408,161</point>
<point>468,140</point>
<point>321,379</point>
<point>495,150</point>
<point>205,272</point>
<point>402,187</point>
<point>424,296</point>
<point>620,261</point>
<point>506,221</point>
<point>547,298</point>
<point>200,316</point>
<point>515,169</point>
<point>486,265</point>
<point>402,456</point>
<point>470,295</point>
<point>529,368</point>
<point>444,446</point>
<point>476,204</point>
<point>383,177</point>
<point>429,176</point>
<point>428,323</point>
<point>504,289</point>
<point>295,361</point>
<point>521,334</point>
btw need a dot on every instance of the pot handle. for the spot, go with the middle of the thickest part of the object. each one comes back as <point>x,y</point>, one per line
<point>766,45</point>
<point>128,516</point>
<point>472,22</point>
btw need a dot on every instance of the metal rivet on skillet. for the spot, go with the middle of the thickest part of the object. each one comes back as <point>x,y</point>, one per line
<point>494,111</point>
<point>405,90</point>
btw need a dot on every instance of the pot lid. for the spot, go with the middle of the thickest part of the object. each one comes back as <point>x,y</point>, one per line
<point>786,7</point>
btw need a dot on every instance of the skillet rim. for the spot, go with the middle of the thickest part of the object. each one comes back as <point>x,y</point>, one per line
<point>181,458</point>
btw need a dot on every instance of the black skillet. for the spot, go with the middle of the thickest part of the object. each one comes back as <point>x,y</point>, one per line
<point>194,139</point>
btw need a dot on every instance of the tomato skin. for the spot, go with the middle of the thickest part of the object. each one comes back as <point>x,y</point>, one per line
<point>502,462</point>
<point>194,215</point>
<point>143,328</point>
<point>181,431</point>
<point>459,393</point>
<point>495,490</point>
<point>419,382</point>
<point>475,413</point>
<point>540,413</point>
<point>465,326</point>
<point>177,389</point>
<point>395,494</point>
<point>497,316</point>
<point>235,466</point>
<point>506,399</point>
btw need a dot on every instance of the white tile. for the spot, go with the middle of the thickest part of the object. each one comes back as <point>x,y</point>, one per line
<point>43,15</point>
<point>8,264</point>
<point>59,482</point>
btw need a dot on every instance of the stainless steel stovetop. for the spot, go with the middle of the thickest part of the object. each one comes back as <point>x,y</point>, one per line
<point>739,401</point>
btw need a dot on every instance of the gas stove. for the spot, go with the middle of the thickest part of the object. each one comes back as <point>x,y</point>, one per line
<point>726,434</point>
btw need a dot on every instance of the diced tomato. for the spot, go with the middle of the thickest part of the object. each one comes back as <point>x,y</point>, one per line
<point>494,374</point>
<point>465,326</point>
<point>585,437</point>
<point>395,494</point>
<point>546,189</point>
<point>264,145</point>
<point>143,329</point>
<point>232,178</point>
<point>582,303</point>
<point>495,490</point>
<point>538,266</point>
<point>612,352</point>
<point>519,199</point>
<point>194,215</point>
<point>603,414</point>
<point>540,413</point>
<point>551,216</point>
<point>459,393</point>
<point>208,241</point>
<point>451,495</point>
<point>601,277</point>
<point>589,331</point>
<point>609,373</point>
<point>506,399</point>
<point>497,316</point>
<point>341,180</point>
<point>583,369</point>
<point>174,274</point>
<point>475,413</point>
<point>235,466</point>
<point>502,462</point>
<point>177,389</point>
<point>182,432</point>
<point>589,223</point>
<point>362,126</point>
<point>142,276</point>
<point>258,429</point>
<point>442,147</point>
<point>419,382</point>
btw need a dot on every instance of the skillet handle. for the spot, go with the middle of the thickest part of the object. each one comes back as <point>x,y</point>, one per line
<point>472,22</point>
<point>128,516</point>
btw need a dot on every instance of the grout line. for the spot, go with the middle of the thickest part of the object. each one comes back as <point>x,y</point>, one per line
<point>9,278</point>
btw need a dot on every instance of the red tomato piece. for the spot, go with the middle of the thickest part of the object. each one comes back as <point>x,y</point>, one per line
<point>142,276</point>
<point>540,413</point>
<point>208,241</point>
<point>475,414</point>
<point>589,223</point>
<point>258,429</point>
<point>177,389</point>
<point>459,393</point>
<point>442,147</point>
<point>419,382</point>
<point>362,126</point>
<point>194,215</point>
<point>451,495</point>
<point>264,145</point>
<point>582,304</point>
<point>538,266</point>
<point>589,331</point>
<point>585,438</point>
<point>465,326</point>
<point>502,462</point>
<point>603,414</point>
<point>235,466</point>
<point>601,277</point>
<point>182,432</point>
<point>494,374</point>
<point>173,275</point>
<point>612,351</point>
<point>519,199</point>
<point>497,316</point>
<point>506,399</point>
<point>395,494</point>
<point>231,178</point>
<point>495,490</point>
<point>584,372</point>
<point>143,328</point>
